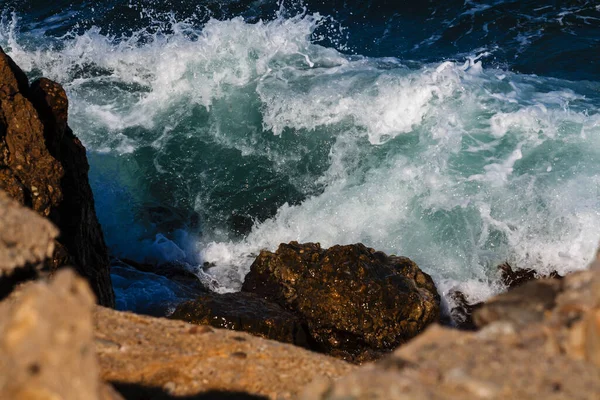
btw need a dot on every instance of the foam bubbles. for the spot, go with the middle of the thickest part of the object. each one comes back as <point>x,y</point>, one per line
<point>272,138</point>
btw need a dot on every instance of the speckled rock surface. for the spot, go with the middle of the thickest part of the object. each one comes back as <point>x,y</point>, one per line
<point>540,342</point>
<point>44,167</point>
<point>244,312</point>
<point>179,359</point>
<point>357,302</point>
<point>26,239</point>
<point>46,342</point>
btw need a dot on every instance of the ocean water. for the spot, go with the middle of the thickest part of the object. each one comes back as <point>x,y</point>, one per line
<point>461,134</point>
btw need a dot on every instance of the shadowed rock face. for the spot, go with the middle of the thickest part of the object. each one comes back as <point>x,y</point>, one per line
<point>244,312</point>
<point>356,302</point>
<point>26,243</point>
<point>26,239</point>
<point>43,166</point>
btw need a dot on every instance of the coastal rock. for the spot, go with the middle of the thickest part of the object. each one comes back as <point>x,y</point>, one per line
<point>44,167</point>
<point>244,312</point>
<point>356,302</point>
<point>462,314</point>
<point>551,351</point>
<point>46,342</point>
<point>26,239</point>
<point>148,358</point>
<point>523,306</point>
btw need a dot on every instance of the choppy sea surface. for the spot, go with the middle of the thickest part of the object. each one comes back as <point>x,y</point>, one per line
<point>461,134</point>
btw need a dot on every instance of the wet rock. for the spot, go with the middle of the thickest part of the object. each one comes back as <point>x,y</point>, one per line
<point>143,355</point>
<point>540,341</point>
<point>513,278</point>
<point>356,302</point>
<point>46,342</point>
<point>148,293</point>
<point>177,272</point>
<point>180,273</point>
<point>44,167</point>
<point>244,312</point>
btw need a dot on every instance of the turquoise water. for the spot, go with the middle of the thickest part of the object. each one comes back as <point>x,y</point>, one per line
<point>211,139</point>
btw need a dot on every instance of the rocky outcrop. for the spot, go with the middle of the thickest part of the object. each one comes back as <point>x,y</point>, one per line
<point>147,358</point>
<point>540,341</point>
<point>46,343</point>
<point>56,344</point>
<point>43,166</point>
<point>26,239</point>
<point>244,312</point>
<point>356,302</point>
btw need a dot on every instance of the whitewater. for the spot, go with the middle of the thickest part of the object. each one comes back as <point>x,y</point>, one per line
<point>209,142</point>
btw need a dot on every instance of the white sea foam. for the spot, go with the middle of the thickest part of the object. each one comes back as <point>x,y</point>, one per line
<point>454,165</point>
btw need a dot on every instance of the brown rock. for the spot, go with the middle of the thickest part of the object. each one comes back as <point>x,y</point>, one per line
<point>449,364</point>
<point>523,306</point>
<point>26,242</point>
<point>355,300</point>
<point>46,342</point>
<point>44,167</point>
<point>462,314</point>
<point>244,312</point>
<point>151,357</point>
<point>26,239</point>
<point>539,341</point>
<point>513,278</point>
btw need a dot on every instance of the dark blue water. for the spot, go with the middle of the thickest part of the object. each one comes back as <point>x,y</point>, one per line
<point>550,38</point>
<point>459,133</point>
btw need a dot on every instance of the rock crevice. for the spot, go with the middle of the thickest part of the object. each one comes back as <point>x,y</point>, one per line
<point>44,167</point>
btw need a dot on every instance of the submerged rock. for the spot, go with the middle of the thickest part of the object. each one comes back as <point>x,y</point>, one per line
<point>513,278</point>
<point>43,166</point>
<point>356,302</point>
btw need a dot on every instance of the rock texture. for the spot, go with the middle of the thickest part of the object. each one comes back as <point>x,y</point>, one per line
<point>46,343</point>
<point>541,341</point>
<point>462,313</point>
<point>26,239</point>
<point>43,166</point>
<point>244,312</point>
<point>151,358</point>
<point>356,302</point>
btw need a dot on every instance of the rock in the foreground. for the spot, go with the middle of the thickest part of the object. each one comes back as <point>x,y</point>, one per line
<point>44,167</point>
<point>146,358</point>
<point>26,242</point>
<point>551,351</point>
<point>46,343</point>
<point>357,302</point>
